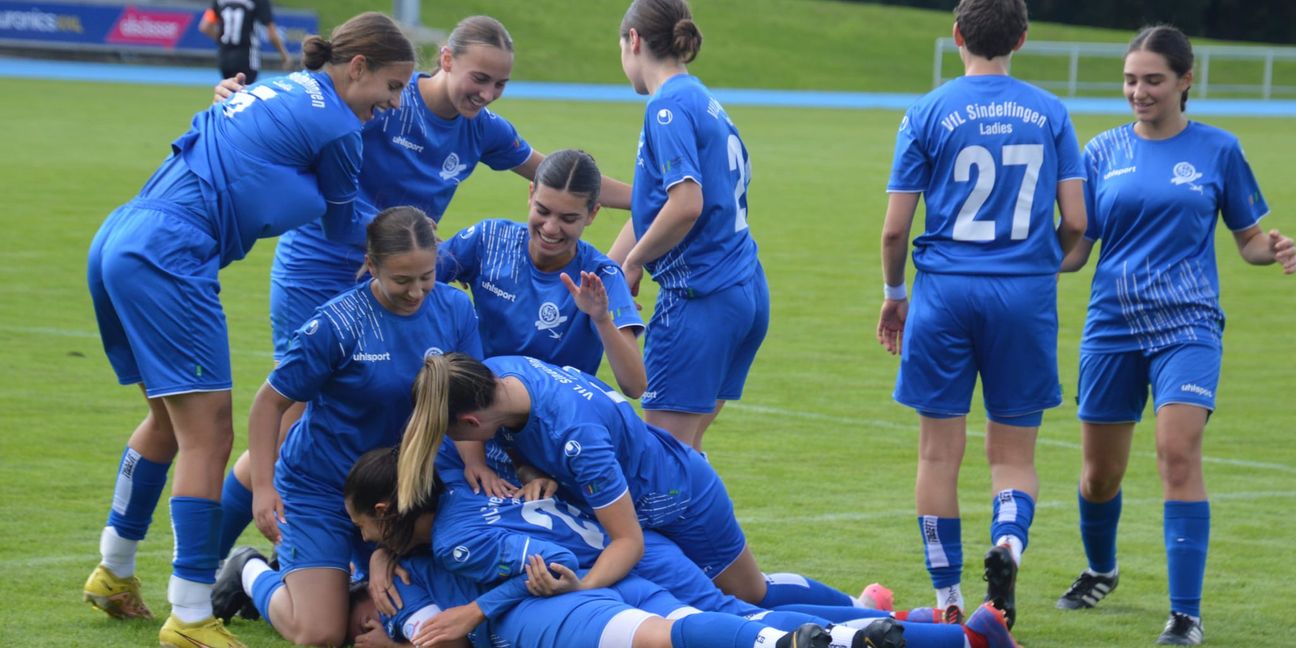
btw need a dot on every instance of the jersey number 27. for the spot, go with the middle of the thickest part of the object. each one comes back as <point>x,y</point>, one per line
<point>966,226</point>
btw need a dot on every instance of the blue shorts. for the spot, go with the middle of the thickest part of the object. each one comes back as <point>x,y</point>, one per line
<point>597,617</point>
<point>706,530</point>
<point>319,533</point>
<point>698,350</point>
<point>665,564</point>
<point>1114,386</point>
<point>292,305</point>
<point>152,271</point>
<point>1003,328</point>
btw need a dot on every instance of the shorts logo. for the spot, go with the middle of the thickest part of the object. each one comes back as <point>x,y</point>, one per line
<point>432,351</point>
<point>451,168</point>
<point>461,553</point>
<point>1196,389</point>
<point>1186,174</point>
<point>572,448</point>
<point>312,326</point>
<point>550,318</point>
<point>664,116</point>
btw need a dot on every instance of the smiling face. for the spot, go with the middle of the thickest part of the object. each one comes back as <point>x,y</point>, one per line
<point>371,91</point>
<point>556,222</point>
<point>476,77</point>
<point>402,281</point>
<point>1153,89</point>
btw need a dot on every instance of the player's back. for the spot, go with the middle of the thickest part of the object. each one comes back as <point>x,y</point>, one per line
<point>987,153</point>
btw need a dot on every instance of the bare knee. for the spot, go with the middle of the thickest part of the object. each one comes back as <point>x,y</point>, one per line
<point>1178,469</point>
<point>1098,484</point>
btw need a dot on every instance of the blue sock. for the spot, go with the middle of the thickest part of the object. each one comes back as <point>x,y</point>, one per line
<point>1013,512</point>
<point>1098,522</point>
<point>196,522</point>
<point>236,512</point>
<point>136,494</point>
<point>829,613</point>
<point>1187,534</point>
<point>943,546</point>
<point>785,589</point>
<point>933,635</point>
<point>788,620</point>
<point>715,630</point>
<point>263,588</point>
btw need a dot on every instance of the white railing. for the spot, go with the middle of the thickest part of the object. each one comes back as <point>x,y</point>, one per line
<point>1202,85</point>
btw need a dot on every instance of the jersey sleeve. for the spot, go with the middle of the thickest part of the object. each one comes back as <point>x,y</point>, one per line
<point>1070,163</point>
<point>313,355</point>
<point>458,258</point>
<point>503,148</point>
<point>1241,203</point>
<point>674,151</point>
<point>490,555</point>
<point>910,167</point>
<point>338,171</point>
<point>620,303</point>
<point>264,14</point>
<point>469,335</point>
<point>591,461</point>
<point>418,603</point>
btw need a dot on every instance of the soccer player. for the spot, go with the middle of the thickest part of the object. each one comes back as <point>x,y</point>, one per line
<point>353,363</point>
<point>1154,190</point>
<point>416,155</point>
<point>989,155</point>
<point>233,25</point>
<point>152,273</point>
<point>688,227</point>
<point>628,474</point>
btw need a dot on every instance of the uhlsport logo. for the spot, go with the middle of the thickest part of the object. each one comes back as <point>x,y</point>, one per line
<point>451,168</point>
<point>461,553</point>
<point>665,116</point>
<point>432,351</point>
<point>550,317</point>
<point>1196,389</point>
<point>572,448</point>
<point>312,326</point>
<point>1186,174</point>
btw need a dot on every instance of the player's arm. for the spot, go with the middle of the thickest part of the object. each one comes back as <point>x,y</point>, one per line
<point>263,450</point>
<point>682,209</point>
<point>612,192</point>
<point>210,24</point>
<point>1263,248</point>
<point>625,240</point>
<point>1071,203</point>
<point>901,207</point>
<point>624,550</point>
<point>286,61</point>
<point>620,343</point>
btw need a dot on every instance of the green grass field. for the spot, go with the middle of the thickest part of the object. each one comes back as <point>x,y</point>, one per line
<point>818,459</point>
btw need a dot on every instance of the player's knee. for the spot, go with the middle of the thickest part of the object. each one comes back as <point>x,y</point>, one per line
<point>1098,484</point>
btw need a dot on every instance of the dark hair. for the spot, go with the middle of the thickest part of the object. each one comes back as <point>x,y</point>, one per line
<point>1173,45</point>
<point>573,171</point>
<point>396,230</point>
<point>991,28</point>
<point>478,30</point>
<point>371,35</point>
<point>666,26</point>
<point>372,481</point>
<point>447,386</point>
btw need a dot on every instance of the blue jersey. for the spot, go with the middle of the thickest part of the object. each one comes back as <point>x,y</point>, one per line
<point>354,364</point>
<point>1154,205</point>
<point>412,157</point>
<point>591,441</point>
<point>688,136</point>
<point>431,590</point>
<point>272,157</point>
<point>525,311</point>
<point>987,153</point>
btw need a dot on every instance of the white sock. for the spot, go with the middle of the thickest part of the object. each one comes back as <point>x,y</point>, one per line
<point>1014,545</point>
<point>841,636</point>
<point>947,596</point>
<point>1103,574</point>
<point>251,569</point>
<point>118,553</point>
<point>190,601</point>
<point>768,637</point>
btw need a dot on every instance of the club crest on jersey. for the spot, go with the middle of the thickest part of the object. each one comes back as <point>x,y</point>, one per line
<point>451,168</point>
<point>665,116</point>
<point>550,318</point>
<point>432,351</point>
<point>572,448</point>
<point>1185,173</point>
<point>461,553</point>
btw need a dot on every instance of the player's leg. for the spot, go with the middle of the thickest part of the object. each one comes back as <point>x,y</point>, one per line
<point>1184,381</point>
<point>750,311</point>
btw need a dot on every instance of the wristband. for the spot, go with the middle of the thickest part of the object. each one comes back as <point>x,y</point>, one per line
<point>894,293</point>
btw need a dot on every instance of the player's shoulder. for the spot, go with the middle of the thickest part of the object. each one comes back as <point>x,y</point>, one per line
<point>592,260</point>
<point>1201,133</point>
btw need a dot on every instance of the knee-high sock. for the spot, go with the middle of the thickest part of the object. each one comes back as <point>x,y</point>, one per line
<point>236,512</point>
<point>1014,511</point>
<point>196,522</point>
<point>713,630</point>
<point>263,588</point>
<point>943,548</point>
<point>784,589</point>
<point>1187,534</point>
<point>830,613</point>
<point>136,493</point>
<point>1098,523</point>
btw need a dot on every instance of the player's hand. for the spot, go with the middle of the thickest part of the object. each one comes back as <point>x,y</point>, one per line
<point>555,579</point>
<point>590,296</point>
<point>480,478</point>
<point>451,624</point>
<point>383,572</point>
<point>268,512</point>
<point>539,488</point>
<point>891,321</point>
<point>227,87</point>
<point>1283,251</point>
<point>633,275</point>
<point>374,636</point>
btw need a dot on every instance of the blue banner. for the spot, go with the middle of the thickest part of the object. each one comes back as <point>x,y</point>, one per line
<point>132,28</point>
